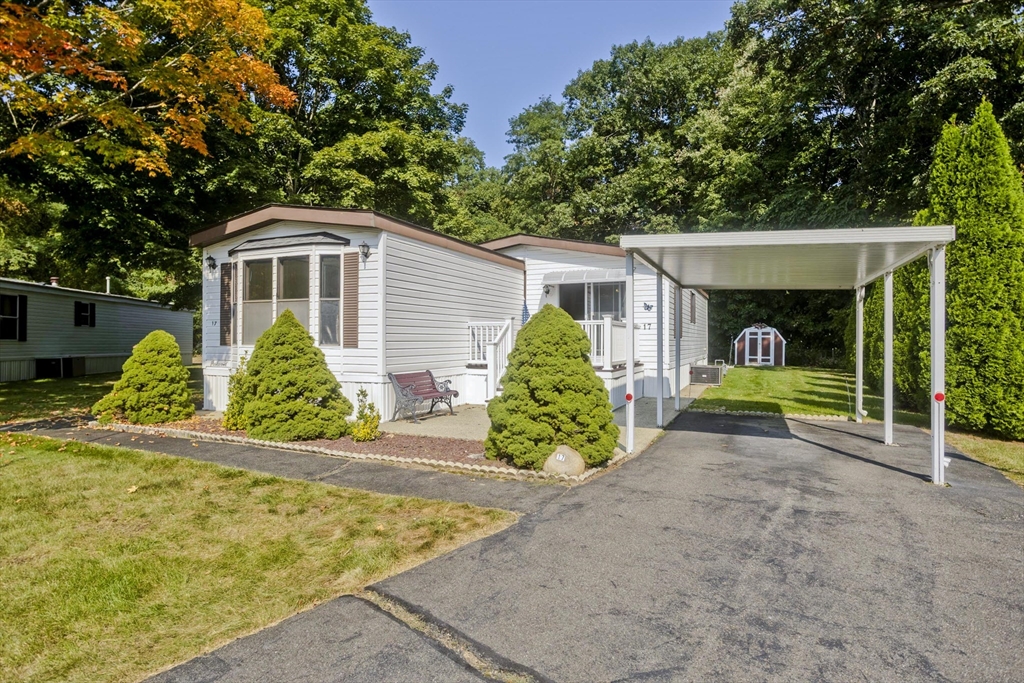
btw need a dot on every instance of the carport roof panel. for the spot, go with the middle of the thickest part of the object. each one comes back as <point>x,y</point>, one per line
<point>786,259</point>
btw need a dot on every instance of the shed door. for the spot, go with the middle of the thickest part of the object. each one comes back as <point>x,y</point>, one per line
<point>759,346</point>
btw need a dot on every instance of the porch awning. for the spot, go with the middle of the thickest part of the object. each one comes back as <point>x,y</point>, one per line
<point>559,277</point>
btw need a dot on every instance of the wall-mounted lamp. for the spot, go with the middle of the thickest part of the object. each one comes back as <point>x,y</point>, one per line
<point>211,263</point>
<point>364,250</point>
<point>547,289</point>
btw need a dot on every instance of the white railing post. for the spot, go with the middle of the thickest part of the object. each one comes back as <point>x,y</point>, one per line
<point>606,338</point>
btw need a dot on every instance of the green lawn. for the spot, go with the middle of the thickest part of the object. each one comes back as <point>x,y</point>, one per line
<point>116,563</point>
<point>41,398</point>
<point>816,391</point>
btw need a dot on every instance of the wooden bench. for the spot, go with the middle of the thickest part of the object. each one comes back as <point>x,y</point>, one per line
<point>413,388</point>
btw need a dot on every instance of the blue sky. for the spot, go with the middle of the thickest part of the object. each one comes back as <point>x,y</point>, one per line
<point>503,55</point>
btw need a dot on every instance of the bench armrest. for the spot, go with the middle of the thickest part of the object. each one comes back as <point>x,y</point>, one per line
<point>443,385</point>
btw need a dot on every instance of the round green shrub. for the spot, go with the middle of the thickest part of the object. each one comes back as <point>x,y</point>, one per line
<point>551,396</point>
<point>153,386</point>
<point>290,394</point>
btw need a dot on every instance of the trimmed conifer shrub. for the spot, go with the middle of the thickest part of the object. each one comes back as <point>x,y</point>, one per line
<point>238,394</point>
<point>153,386</point>
<point>290,393</point>
<point>551,396</point>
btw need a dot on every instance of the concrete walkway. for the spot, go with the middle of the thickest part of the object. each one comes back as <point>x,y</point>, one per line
<point>423,482</point>
<point>471,421</point>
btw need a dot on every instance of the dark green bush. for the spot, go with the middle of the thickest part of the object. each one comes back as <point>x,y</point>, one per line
<point>975,186</point>
<point>551,396</point>
<point>234,415</point>
<point>288,391</point>
<point>153,386</point>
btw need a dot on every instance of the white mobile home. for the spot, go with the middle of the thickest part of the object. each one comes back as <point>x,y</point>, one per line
<point>51,331</point>
<point>587,280</point>
<point>378,295</point>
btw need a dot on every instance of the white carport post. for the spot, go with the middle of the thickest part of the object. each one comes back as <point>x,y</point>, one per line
<point>859,403</point>
<point>887,374</point>
<point>659,305</point>
<point>676,328</point>
<point>630,355</point>
<point>937,261</point>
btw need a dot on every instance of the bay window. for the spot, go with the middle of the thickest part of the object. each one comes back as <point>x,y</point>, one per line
<point>257,299</point>
<point>330,300</point>
<point>293,287</point>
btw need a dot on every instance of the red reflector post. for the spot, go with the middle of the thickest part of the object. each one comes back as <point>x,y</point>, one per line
<point>629,397</point>
<point>940,397</point>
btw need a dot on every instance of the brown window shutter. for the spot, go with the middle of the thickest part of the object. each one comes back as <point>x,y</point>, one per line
<point>350,299</point>
<point>225,304</point>
<point>693,308</point>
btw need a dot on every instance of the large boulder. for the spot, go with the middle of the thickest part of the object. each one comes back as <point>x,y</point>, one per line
<point>565,460</point>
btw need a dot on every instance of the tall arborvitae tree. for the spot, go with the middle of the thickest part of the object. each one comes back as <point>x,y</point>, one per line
<point>975,186</point>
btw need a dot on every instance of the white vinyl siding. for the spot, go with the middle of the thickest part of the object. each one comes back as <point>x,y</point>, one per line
<point>432,295</point>
<point>121,322</point>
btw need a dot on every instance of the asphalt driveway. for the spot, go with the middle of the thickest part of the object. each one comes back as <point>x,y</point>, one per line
<point>739,549</point>
<point>749,549</point>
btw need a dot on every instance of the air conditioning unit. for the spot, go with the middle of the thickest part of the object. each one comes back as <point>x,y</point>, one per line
<point>706,374</point>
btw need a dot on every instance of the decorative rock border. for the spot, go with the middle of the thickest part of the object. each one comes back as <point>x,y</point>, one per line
<point>759,413</point>
<point>461,467</point>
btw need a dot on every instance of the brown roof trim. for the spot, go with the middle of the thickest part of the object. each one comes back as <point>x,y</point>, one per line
<point>522,239</point>
<point>358,218</point>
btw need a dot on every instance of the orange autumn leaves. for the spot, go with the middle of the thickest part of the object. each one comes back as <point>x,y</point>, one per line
<point>126,80</point>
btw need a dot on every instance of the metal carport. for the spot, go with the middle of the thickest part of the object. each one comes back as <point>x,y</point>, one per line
<point>850,258</point>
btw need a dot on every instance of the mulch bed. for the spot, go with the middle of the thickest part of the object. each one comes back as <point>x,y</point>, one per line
<point>399,445</point>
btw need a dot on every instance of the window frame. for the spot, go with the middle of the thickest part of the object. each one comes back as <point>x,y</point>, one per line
<point>16,317</point>
<point>320,257</point>
<point>85,314</point>
<point>313,255</point>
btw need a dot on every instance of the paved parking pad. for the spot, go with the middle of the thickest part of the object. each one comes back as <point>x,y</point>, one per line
<point>752,549</point>
<point>346,639</point>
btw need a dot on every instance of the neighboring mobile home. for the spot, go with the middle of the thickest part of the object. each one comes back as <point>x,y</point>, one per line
<point>51,331</point>
<point>380,295</point>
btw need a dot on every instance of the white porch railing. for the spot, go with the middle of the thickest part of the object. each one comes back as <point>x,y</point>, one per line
<point>607,341</point>
<point>480,336</point>
<point>489,345</point>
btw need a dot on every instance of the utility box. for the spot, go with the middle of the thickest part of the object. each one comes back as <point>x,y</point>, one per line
<point>706,374</point>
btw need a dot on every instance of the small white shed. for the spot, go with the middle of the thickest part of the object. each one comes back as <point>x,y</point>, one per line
<point>759,345</point>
